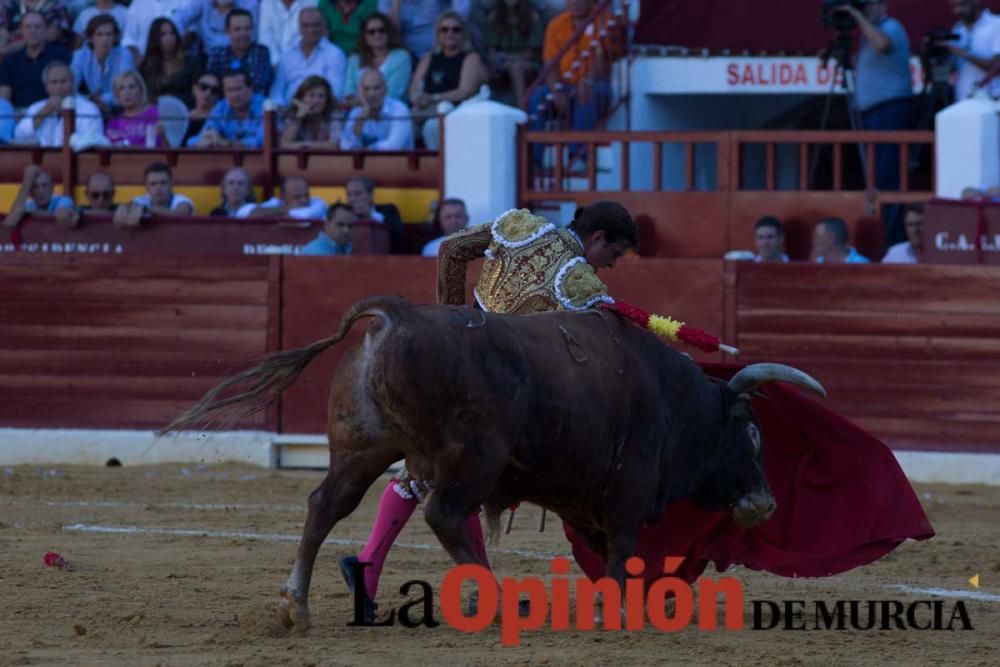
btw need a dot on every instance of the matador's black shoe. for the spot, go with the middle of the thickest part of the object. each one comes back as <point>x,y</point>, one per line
<point>347,569</point>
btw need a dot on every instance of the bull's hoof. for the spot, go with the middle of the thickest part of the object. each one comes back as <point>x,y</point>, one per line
<point>472,608</point>
<point>293,610</point>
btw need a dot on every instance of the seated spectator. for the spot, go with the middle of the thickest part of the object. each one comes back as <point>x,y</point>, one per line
<point>451,217</point>
<point>242,53</point>
<point>581,83</point>
<point>379,48</point>
<point>237,120</point>
<point>312,55</point>
<point>237,190</point>
<point>910,251</point>
<point>43,122</point>
<point>416,21</point>
<point>343,20</point>
<point>99,8</point>
<point>207,92</point>
<point>361,197</point>
<point>100,193</point>
<point>8,119</point>
<point>207,19</point>
<point>21,70</point>
<point>96,64</point>
<point>168,69</point>
<point>831,244</point>
<point>279,25</point>
<point>312,120</point>
<point>54,16</point>
<point>380,123</point>
<point>142,14</point>
<point>972,194</point>
<point>294,202</point>
<point>36,197</point>
<point>160,198</point>
<point>514,38</point>
<point>138,121</point>
<point>452,73</point>
<point>769,236</point>
<point>335,237</point>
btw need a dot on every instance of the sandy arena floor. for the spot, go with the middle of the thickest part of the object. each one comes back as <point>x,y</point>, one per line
<point>192,575</point>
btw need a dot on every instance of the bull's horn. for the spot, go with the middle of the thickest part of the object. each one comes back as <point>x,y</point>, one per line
<point>755,375</point>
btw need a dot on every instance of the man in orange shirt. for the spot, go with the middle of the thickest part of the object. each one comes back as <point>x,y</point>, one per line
<point>580,84</point>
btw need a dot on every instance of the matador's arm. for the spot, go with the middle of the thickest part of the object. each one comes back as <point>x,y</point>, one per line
<point>455,253</point>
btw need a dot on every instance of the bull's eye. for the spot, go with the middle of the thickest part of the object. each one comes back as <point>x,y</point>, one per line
<point>754,434</point>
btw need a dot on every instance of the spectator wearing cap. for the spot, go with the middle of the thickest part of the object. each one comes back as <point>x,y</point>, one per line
<point>295,202</point>
<point>312,55</point>
<point>335,237</point>
<point>243,53</point>
<point>769,236</point>
<point>43,122</point>
<point>98,62</point>
<point>21,79</point>
<point>831,244</point>
<point>237,120</point>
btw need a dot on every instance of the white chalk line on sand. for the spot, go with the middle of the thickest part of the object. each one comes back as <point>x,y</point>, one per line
<point>225,507</point>
<point>272,537</point>
<point>533,555</point>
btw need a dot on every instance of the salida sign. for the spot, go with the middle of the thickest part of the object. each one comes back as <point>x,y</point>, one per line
<point>635,607</point>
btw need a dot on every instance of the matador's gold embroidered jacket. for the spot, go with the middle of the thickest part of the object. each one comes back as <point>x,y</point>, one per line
<point>531,266</point>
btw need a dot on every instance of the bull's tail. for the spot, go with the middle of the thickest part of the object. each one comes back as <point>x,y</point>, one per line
<point>275,373</point>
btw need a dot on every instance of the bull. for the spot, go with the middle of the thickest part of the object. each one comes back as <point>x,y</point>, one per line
<point>584,414</point>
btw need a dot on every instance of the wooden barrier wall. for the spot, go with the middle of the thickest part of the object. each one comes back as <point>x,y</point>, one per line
<point>909,352</point>
<point>102,342</point>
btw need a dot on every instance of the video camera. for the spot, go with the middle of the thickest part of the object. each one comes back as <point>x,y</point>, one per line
<point>935,58</point>
<point>840,21</point>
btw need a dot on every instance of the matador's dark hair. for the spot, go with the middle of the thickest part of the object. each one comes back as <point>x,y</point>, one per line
<point>610,217</point>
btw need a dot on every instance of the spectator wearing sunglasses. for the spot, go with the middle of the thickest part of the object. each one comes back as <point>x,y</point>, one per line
<point>207,92</point>
<point>381,48</point>
<point>453,73</point>
<point>343,20</point>
<point>100,193</point>
<point>417,20</point>
<point>236,121</point>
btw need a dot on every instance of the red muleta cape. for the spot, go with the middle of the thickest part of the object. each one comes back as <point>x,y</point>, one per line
<point>843,501</point>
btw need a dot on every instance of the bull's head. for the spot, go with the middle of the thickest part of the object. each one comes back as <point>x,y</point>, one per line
<point>739,480</point>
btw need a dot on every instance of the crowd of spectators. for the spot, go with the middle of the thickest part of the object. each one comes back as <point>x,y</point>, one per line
<point>831,241</point>
<point>347,74</point>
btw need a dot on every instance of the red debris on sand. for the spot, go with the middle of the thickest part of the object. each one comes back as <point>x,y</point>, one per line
<point>52,559</point>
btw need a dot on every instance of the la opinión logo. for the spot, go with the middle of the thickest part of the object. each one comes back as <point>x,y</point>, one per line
<point>638,605</point>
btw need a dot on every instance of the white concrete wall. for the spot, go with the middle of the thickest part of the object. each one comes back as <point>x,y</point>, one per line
<point>480,148</point>
<point>968,147</point>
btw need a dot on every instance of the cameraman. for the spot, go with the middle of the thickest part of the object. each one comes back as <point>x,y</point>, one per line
<point>978,47</point>
<point>884,93</point>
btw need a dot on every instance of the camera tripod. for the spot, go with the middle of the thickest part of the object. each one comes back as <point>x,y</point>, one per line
<point>840,52</point>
